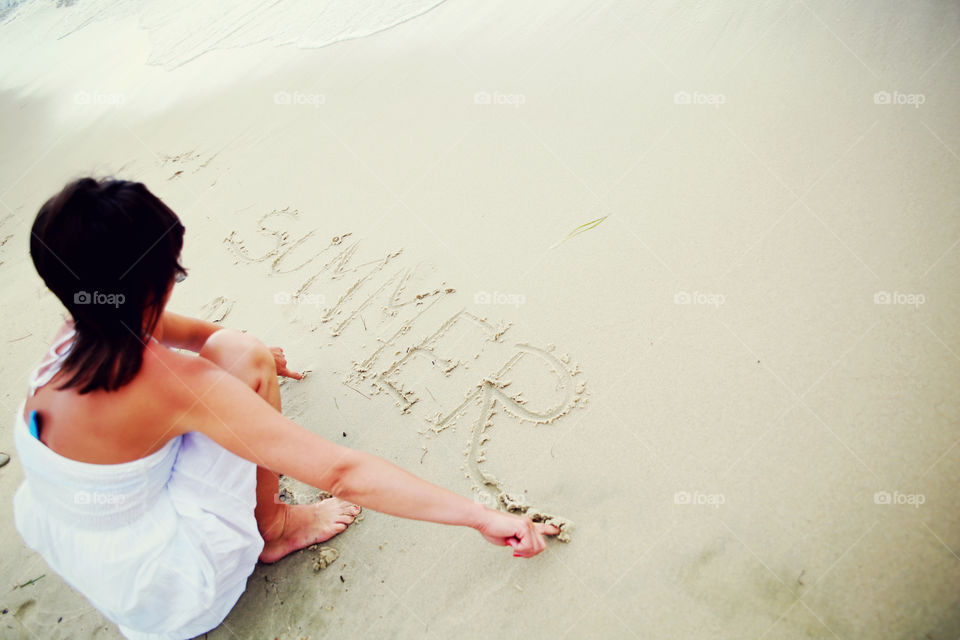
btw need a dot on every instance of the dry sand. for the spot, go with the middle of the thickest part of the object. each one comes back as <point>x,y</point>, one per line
<point>741,386</point>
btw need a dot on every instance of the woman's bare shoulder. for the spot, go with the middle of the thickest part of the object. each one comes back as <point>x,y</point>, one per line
<point>181,378</point>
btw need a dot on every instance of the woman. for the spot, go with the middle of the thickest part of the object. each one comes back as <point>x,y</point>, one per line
<point>151,475</point>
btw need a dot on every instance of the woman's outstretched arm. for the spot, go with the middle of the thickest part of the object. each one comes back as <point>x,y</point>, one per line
<point>230,413</point>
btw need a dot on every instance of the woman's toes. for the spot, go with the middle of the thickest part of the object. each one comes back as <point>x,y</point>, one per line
<point>347,508</point>
<point>346,517</point>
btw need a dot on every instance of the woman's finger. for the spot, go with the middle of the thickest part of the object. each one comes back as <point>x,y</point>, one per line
<point>290,374</point>
<point>547,529</point>
<point>280,360</point>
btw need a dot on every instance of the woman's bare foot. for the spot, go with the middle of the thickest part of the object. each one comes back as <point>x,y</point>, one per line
<point>307,524</point>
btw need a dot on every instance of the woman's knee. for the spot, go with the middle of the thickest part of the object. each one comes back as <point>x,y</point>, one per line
<point>239,353</point>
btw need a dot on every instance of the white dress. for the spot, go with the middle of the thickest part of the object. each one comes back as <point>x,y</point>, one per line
<point>162,546</point>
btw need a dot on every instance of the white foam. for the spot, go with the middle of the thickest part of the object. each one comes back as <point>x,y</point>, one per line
<point>182,30</point>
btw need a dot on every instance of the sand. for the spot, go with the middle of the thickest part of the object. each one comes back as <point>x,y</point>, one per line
<point>741,385</point>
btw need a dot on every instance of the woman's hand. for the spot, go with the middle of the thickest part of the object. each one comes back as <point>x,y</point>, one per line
<point>523,534</point>
<point>281,361</point>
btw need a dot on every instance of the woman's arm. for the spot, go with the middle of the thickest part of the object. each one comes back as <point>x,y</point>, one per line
<point>182,332</point>
<point>375,483</point>
<point>230,413</point>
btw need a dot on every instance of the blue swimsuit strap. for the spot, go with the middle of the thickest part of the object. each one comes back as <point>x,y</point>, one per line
<point>34,425</point>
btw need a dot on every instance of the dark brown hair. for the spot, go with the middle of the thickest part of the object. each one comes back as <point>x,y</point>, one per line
<point>109,250</point>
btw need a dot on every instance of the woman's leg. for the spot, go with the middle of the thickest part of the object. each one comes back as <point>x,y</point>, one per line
<point>284,528</point>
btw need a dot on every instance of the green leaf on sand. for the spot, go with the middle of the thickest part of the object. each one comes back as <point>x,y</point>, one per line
<point>586,226</point>
<point>29,582</point>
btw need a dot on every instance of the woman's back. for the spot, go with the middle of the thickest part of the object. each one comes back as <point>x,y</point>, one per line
<point>104,427</point>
